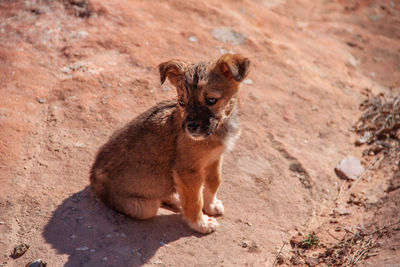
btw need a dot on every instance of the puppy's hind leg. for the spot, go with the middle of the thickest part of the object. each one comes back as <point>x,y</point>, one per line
<point>138,208</point>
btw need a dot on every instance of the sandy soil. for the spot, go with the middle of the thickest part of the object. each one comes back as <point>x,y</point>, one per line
<point>72,72</point>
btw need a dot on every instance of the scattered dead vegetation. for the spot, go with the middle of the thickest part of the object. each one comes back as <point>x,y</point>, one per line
<point>80,8</point>
<point>379,126</point>
<point>351,249</point>
<point>355,246</point>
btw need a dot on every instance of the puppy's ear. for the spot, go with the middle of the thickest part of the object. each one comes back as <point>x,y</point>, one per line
<point>234,66</point>
<point>172,69</point>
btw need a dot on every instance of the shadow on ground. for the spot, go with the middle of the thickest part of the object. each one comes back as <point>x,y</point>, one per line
<point>94,235</point>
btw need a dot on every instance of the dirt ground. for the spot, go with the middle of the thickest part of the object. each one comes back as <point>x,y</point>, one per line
<point>73,71</point>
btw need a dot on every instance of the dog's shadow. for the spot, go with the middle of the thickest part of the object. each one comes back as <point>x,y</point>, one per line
<point>94,235</point>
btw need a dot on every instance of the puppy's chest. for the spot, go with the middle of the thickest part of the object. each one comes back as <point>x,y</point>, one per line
<point>231,134</point>
<point>230,140</point>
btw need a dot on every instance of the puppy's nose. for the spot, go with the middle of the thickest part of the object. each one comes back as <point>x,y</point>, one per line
<point>192,126</point>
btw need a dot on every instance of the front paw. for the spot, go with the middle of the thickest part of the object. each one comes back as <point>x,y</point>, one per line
<point>215,208</point>
<point>205,225</point>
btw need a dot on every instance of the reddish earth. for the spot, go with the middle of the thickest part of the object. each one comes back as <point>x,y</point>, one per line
<point>71,73</point>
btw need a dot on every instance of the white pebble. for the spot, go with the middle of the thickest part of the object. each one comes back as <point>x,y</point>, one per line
<point>164,244</point>
<point>193,39</point>
<point>248,81</point>
<point>158,261</point>
<point>84,248</point>
<point>79,144</point>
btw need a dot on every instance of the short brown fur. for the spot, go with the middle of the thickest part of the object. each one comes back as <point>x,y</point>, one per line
<point>172,153</point>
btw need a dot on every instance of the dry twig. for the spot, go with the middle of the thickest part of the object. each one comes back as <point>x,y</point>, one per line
<point>279,253</point>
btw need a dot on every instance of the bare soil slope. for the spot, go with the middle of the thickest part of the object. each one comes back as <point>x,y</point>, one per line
<point>73,71</point>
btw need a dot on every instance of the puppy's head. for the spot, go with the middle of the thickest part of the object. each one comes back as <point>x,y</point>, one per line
<point>207,92</point>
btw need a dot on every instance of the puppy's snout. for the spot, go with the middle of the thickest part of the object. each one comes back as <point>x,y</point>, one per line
<point>193,127</point>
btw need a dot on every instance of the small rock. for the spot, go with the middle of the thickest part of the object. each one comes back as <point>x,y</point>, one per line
<point>108,236</point>
<point>1,223</point>
<point>73,67</point>
<point>364,139</point>
<point>73,236</point>
<point>250,245</point>
<point>372,199</point>
<point>223,51</point>
<point>42,100</point>
<point>158,261</point>
<point>227,35</point>
<point>341,211</point>
<point>349,168</point>
<point>93,250</point>
<point>79,144</point>
<point>123,235</point>
<point>193,39</point>
<point>79,34</point>
<point>37,263</point>
<point>162,243</point>
<point>314,108</point>
<point>296,241</point>
<point>83,248</point>
<point>65,69</point>
<point>20,250</point>
<point>312,261</point>
<point>246,243</point>
<point>248,81</point>
<point>76,65</point>
<point>105,259</point>
<point>354,61</point>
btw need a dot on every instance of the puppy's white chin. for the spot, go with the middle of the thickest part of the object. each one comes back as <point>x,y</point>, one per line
<point>197,137</point>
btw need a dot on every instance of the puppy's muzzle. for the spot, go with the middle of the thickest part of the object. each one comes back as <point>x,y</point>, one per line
<point>193,127</point>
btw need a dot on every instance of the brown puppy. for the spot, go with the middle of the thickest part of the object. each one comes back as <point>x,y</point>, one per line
<point>176,146</point>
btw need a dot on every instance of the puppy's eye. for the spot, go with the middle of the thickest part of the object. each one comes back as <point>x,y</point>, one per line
<point>181,103</point>
<point>211,101</point>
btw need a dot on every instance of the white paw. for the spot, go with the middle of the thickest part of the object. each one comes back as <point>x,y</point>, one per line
<point>206,225</point>
<point>215,208</point>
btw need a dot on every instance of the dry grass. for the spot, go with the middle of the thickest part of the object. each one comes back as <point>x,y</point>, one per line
<point>379,131</point>
<point>379,126</point>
